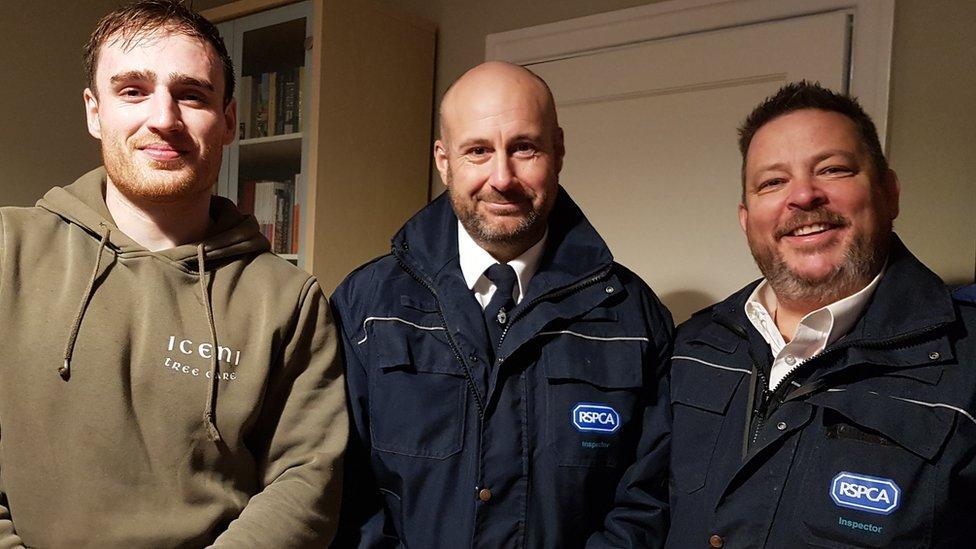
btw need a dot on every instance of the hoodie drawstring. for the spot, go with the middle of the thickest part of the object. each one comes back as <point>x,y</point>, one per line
<point>69,347</point>
<point>211,411</point>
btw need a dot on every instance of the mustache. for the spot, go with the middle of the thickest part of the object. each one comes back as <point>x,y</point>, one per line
<point>151,140</point>
<point>811,217</point>
<point>515,193</point>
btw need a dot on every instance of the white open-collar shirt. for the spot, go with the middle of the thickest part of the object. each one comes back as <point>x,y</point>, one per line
<point>815,331</point>
<point>475,260</point>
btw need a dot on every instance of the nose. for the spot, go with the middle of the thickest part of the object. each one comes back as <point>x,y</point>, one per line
<point>806,193</point>
<point>502,174</point>
<point>165,116</point>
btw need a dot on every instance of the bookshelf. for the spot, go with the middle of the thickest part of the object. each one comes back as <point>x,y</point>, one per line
<point>335,103</point>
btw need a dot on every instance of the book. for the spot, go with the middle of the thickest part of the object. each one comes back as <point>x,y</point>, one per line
<point>282,226</point>
<point>273,207</point>
<point>296,214</point>
<point>287,101</point>
<point>260,106</point>
<point>245,197</point>
<point>244,120</point>
<point>301,97</point>
<point>272,102</point>
<point>264,208</point>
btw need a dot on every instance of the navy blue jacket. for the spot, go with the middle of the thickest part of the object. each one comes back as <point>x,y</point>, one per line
<point>869,444</point>
<point>564,437</point>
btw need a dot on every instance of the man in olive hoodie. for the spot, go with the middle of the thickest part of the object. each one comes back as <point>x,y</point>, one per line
<point>165,381</point>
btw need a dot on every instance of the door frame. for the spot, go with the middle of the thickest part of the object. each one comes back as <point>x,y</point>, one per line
<point>873,29</point>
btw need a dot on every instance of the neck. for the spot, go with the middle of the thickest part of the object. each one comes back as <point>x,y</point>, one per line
<point>159,226</point>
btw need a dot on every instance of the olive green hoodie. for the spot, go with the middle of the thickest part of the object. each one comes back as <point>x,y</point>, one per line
<point>161,399</point>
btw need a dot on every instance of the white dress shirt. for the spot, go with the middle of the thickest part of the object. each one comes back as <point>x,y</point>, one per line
<point>474,260</point>
<point>815,331</point>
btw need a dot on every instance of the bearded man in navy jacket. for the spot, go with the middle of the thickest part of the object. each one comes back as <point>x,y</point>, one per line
<point>505,375</point>
<point>830,403</point>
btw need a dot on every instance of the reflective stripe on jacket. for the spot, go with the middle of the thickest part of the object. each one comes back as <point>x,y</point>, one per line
<point>869,444</point>
<point>533,450</point>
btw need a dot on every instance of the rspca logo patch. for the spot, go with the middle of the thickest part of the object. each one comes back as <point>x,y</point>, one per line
<point>595,418</point>
<point>876,495</point>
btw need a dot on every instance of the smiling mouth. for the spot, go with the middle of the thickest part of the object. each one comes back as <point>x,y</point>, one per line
<point>807,230</point>
<point>162,153</point>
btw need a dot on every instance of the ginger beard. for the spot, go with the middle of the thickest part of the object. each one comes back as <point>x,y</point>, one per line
<point>136,176</point>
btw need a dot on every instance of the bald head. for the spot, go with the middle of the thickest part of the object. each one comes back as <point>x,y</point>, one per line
<point>499,155</point>
<point>492,87</point>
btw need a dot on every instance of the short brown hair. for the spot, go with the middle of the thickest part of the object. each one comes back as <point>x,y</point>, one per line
<point>802,95</point>
<point>147,16</point>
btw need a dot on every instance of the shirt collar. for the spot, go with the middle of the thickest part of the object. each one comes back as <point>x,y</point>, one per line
<point>833,320</point>
<point>474,260</point>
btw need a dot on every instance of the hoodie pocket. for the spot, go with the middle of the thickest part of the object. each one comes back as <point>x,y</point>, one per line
<point>592,396</point>
<point>418,396</point>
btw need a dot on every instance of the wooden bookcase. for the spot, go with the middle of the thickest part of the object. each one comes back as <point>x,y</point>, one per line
<point>362,141</point>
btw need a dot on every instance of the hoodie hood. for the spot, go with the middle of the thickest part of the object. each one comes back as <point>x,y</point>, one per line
<point>83,203</point>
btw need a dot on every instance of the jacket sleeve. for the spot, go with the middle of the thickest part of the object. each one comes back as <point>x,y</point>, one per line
<point>8,537</point>
<point>363,522</point>
<point>640,515</point>
<point>298,439</point>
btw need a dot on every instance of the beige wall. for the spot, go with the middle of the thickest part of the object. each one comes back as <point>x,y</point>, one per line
<point>932,117</point>
<point>43,138</point>
<point>932,111</point>
<point>932,129</point>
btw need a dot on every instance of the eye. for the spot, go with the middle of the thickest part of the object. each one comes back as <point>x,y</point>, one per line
<point>132,92</point>
<point>768,184</point>
<point>478,153</point>
<point>524,149</point>
<point>836,170</point>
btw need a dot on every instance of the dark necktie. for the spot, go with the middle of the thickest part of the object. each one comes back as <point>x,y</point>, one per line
<point>496,313</point>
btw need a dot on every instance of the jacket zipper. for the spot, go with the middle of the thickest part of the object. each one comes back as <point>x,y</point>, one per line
<point>450,336</point>
<point>567,290</point>
<point>760,415</point>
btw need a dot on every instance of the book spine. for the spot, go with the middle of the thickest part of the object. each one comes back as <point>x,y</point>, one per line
<point>245,197</point>
<point>260,106</point>
<point>245,122</point>
<point>272,103</point>
<point>282,219</point>
<point>288,93</point>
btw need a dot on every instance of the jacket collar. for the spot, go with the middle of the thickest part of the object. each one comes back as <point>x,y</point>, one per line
<point>574,250</point>
<point>910,299</point>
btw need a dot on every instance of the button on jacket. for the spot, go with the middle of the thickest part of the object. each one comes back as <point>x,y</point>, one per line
<point>563,437</point>
<point>871,443</point>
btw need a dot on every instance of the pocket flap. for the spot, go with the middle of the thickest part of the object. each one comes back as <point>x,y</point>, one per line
<point>919,427</point>
<point>704,384</point>
<point>400,353</point>
<point>609,364</point>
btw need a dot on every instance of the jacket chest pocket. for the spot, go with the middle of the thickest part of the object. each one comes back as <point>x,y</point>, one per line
<point>593,395</point>
<point>870,478</point>
<point>418,394</point>
<point>700,395</point>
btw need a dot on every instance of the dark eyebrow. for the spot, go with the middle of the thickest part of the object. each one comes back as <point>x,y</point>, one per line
<point>187,80</point>
<point>178,78</point>
<point>149,76</point>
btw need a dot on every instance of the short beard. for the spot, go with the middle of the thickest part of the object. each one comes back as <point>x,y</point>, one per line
<point>158,186</point>
<point>862,261</point>
<point>526,233</point>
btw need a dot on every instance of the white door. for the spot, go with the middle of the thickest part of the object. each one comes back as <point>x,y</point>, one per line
<point>651,143</point>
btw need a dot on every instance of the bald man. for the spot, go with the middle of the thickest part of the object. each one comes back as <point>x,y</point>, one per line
<point>505,375</point>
